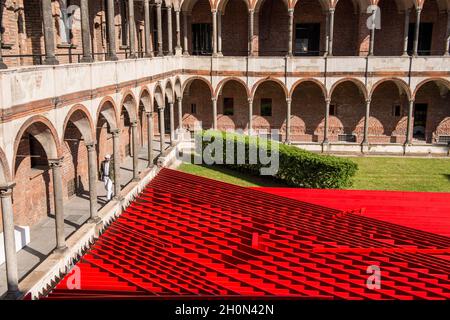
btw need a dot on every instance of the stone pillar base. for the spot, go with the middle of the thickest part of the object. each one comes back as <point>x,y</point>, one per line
<point>12,295</point>
<point>86,60</point>
<point>365,148</point>
<point>50,61</point>
<point>325,146</point>
<point>61,250</point>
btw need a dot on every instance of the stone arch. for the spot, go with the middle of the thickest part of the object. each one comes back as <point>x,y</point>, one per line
<point>188,5</point>
<point>81,118</point>
<point>308,110</point>
<point>431,115</point>
<point>108,109</point>
<point>178,88</point>
<point>223,82</point>
<point>348,99</point>
<point>145,99</point>
<point>197,103</point>
<point>222,4</point>
<point>130,105</point>
<point>189,81</point>
<point>272,115</point>
<point>268,79</point>
<point>169,92</point>
<point>361,86</point>
<point>257,5</point>
<point>234,92</point>
<point>438,81</point>
<point>388,111</point>
<point>158,95</point>
<point>44,132</point>
<point>317,82</point>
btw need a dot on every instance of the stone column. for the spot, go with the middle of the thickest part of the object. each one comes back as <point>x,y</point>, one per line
<point>135,134</point>
<point>180,113</point>
<point>327,33</point>
<point>327,121</point>
<point>112,56</point>
<point>178,49</point>
<point>288,121</point>
<point>159,26</point>
<point>331,32</point>
<point>147,29</point>
<point>185,34</point>
<point>250,116</point>
<point>86,32</point>
<point>214,31</point>
<point>409,124</point>
<point>447,39</point>
<point>372,33</point>
<point>251,22</point>
<point>49,33</point>
<point>416,32</point>
<point>214,107</point>
<point>92,170</point>
<point>172,124</point>
<point>56,165</point>
<point>12,278</point>
<point>291,32</point>
<point>214,35</point>
<point>2,64</point>
<point>131,29</point>
<point>169,30</point>
<point>406,33</point>
<point>162,130</point>
<point>366,123</point>
<point>117,161</point>
<point>219,34</point>
<point>150,138</point>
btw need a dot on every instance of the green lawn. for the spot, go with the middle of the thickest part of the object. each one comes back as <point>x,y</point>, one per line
<point>375,173</point>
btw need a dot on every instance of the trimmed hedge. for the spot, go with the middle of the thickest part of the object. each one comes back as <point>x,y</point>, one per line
<point>297,167</point>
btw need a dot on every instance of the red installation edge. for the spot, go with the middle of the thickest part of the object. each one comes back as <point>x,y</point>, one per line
<point>188,236</point>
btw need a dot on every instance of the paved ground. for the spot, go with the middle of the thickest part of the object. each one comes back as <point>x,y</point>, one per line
<point>76,213</point>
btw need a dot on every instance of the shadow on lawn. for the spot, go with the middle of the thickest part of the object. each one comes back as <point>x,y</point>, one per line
<point>260,181</point>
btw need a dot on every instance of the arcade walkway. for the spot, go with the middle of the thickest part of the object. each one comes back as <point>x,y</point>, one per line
<point>76,213</point>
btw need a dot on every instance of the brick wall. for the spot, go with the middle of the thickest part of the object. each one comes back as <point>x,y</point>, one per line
<point>235,29</point>
<point>239,120</point>
<point>198,94</point>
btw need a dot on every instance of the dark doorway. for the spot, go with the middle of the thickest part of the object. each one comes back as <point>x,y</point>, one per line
<point>307,39</point>
<point>425,36</point>
<point>201,39</point>
<point>167,118</point>
<point>420,121</point>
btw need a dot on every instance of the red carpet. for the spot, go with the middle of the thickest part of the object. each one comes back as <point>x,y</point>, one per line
<point>194,237</point>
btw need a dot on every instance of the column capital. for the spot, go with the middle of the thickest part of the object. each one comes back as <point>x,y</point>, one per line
<point>91,145</point>
<point>55,162</point>
<point>214,11</point>
<point>412,100</point>
<point>288,100</point>
<point>419,9</point>
<point>161,109</point>
<point>134,123</point>
<point>149,114</point>
<point>250,100</point>
<point>214,99</point>
<point>6,189</point>
<point>179,98</point>
<point>291,11</point>
<point>328,100</point>
<point>331,10</point>
<point>115,132</point>
<point>368,100</point>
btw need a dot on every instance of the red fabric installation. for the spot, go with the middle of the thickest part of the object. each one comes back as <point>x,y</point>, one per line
<point>195,237</point>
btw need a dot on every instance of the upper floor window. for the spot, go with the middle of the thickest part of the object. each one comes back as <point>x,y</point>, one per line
<point>228,106</point>
<point>65,21</point>
<point>266,107</point>
<point>307,39</point>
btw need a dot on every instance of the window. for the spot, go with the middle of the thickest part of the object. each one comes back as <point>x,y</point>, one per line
<point>397,111</point>
<point>201,39</point>
<point>193,108</point>
<point>228,106</point>
<point>425,36</point>
<point>307,39</point>
<point>333,110</point>
<point>266,107</point>
<point>123,24</point>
